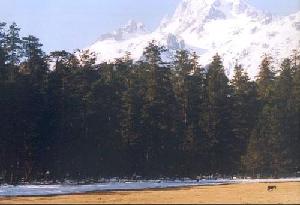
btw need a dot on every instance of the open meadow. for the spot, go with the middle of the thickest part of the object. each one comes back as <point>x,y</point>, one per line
<point>286,193</point>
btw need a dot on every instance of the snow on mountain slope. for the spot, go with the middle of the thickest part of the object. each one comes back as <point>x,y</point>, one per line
<point>233,28</point>
<point>116,44</point>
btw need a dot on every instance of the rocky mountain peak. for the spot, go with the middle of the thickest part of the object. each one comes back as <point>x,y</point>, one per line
<point>233,28</point>
<point>131,29</point>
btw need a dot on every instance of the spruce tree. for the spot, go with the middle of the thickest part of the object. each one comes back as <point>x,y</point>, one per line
<point>133,99</point>
<point>3,54</point>
<point>267,133</point>
<point>195,140</point>
<point>265,78</point>
<point>295,123</point>
<point>244,111</point>
<point>283,99</point>
<point>218,127</point>
<point>13,44</point>
<point>159,114</point>
<point>35,61</point>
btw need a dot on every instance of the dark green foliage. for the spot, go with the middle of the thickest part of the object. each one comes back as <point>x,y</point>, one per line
<point>244,111</point>
<point>3,52</point>
<point>218,128</point>
<point>273,143</point>
<point>13,45</point>
<point>82,120</point>
<point>295,111</point>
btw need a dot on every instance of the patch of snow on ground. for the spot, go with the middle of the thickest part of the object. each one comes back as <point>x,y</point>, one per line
<point>44,190</point>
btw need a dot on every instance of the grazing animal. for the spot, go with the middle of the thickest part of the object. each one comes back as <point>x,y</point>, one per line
<point>271,188</point>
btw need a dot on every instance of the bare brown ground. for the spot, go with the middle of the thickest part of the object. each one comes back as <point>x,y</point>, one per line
<point>237,193</point>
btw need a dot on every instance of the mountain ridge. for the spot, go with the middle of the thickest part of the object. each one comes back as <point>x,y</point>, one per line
<point>233,28</point>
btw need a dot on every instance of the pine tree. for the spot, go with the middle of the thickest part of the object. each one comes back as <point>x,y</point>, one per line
<point>183,68</point>
<point>133,99</point>
<point>265,78</point>
<point>266,134</point>
<point>3,54</point>
<point>32,47</point>
<point>283,98</point>
<point>218,128</point>
<point>295,104</point>
<point>195,93</point>
<point>13,45</point>
<point>159,113</point>
<point>34,77</point>
<point>59,105</point>
<point>35,62</point>
<point>244,111</point>
<point>152,53</point>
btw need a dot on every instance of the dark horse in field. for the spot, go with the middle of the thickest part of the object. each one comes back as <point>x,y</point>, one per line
<point>271,188</point>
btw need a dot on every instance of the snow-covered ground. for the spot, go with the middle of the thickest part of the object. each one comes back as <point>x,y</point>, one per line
<point>60,189</point>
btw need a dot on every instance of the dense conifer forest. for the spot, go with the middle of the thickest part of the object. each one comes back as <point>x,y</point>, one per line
<point>66,117</point>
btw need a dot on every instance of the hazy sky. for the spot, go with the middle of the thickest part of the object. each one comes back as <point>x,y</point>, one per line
<point>71,24</point>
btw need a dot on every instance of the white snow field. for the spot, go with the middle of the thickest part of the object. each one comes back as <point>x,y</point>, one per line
<point>233,28</point>
<point>62,189</point>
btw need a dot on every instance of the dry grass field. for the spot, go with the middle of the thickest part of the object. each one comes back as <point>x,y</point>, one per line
<point>286,193</point>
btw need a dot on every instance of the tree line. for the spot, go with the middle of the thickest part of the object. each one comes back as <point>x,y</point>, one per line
<point>62,115</point>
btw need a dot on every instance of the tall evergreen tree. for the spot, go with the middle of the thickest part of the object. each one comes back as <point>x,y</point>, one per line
<point>218,128</point>
<point>13,44</point>
<point>133,99</point>
<point>159,113</point>
<point>195,140</point>
<point>244,111</point>
<point>35,63</point>
<point>3,54</point>
<point>265,138</point>
<point>295,104</point>
<point>265,78</point>
<point>283,99</point>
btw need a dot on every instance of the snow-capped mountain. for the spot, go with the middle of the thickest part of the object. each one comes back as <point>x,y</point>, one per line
<point>232,28</point>
<point>130,30</point>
